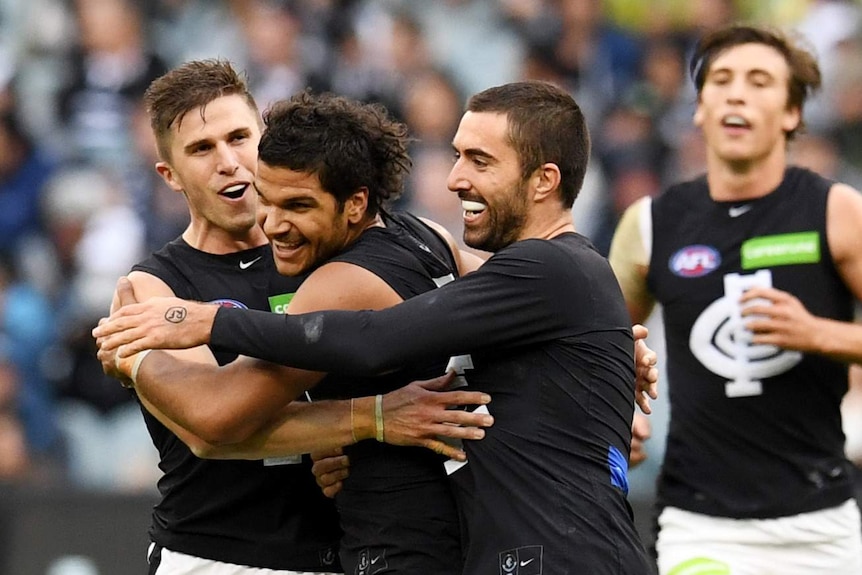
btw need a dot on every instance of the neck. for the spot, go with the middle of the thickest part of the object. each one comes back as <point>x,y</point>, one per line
<point>356,230</point>
<point>220,241</point>
<point>550,228</point>
<point>748,180</point>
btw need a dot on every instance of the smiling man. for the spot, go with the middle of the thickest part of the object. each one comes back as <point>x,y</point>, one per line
<point>541,326</point>
<point>757,265</point>
<point>267,514</point>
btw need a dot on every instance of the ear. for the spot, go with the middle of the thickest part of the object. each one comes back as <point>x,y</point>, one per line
<point>169,176</point>
<point>698,114</point>
<point>792,117</point>
<point>356,205</point>
<point>546,181</point>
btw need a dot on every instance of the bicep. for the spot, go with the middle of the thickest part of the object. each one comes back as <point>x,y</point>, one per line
<point>843,221</point>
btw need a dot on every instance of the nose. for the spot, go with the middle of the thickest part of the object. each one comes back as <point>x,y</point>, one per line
<point>736,90</point>
<point>457,181</point>
<point>228,163</point>
<point>272,225</point>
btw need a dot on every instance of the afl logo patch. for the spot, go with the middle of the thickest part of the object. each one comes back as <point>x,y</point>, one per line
<point>694,261</point>
<point>232,303</point>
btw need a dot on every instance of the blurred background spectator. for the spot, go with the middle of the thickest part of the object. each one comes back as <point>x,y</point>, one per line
<point>80,200</point>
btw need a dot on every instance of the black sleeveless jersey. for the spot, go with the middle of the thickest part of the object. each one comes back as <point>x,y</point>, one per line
<point>396,508</point>
<point>755,431</point>
<point>268,514</point>
<point>542,327</point>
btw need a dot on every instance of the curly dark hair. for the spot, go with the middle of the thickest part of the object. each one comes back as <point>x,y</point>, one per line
<point>347,144</point>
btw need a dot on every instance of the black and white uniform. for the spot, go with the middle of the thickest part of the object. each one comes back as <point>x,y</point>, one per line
<point>755,431</point>
<point>549,337</point>
<point>266,514</point>
<point>397,509</point>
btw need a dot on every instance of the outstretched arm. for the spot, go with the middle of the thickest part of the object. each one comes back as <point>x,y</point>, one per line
<point>510,301</point>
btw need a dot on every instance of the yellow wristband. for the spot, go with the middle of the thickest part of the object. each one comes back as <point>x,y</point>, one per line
<point>378,416</point>
<point>139,357</point>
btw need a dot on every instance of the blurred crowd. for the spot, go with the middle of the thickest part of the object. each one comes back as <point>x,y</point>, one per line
<point>80,201</point>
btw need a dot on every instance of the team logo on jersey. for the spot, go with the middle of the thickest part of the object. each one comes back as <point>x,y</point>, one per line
<point>370,561</point>
<point>694,261</point>
<point>525,560</point>
<point>721,342</point>
<point>232,303</point>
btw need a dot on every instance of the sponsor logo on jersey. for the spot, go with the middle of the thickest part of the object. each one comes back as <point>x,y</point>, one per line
<point>781,250</point>
<point>232,303</point>
<point>278,303</point>
<point>245,265</point>
<point>370,561</point>
<point>525,560</point>
<point>694,261</point>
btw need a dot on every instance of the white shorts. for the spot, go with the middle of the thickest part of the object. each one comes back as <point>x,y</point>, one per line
<point>818,543</point>
<point>175,563</point>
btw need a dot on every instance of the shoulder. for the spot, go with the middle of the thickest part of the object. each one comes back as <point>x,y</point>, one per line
<point>345,286</point>
<point>843,219</point>
<point>540,253</point>
<point>465,261</point>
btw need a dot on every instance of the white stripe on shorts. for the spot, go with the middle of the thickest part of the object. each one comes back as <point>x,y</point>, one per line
<point>816,543</point>
<point>175,563</point>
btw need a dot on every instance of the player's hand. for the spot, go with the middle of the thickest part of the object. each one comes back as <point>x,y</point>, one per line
<point>641,431</point>
<point>646,372</point>
<point>778,318</point>
<point>330,469</point>
<point>420,414</point>
<point>111,364</point>
<point>158,323</point>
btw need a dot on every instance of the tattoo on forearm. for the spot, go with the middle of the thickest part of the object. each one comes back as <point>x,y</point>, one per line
<point>176,314</point>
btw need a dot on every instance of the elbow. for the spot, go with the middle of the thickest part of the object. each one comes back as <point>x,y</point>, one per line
<point>216,432</point>
<point>201,449</point>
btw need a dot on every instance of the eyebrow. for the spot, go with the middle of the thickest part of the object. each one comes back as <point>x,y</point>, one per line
<point>244,131</point>
<point>749,72</point>
<point>474,153</point>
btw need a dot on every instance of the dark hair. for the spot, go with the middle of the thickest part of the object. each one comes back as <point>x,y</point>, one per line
<point>805,75</point>
<point>347,144</point>
<point>191,85</point>
<point>545,125</point>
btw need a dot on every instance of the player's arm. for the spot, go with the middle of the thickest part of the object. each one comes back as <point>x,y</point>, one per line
<point>178,388</point>
<point>414,415</point>
<point>629,257</point>
<point>786,323</point>
<point>507,302</point>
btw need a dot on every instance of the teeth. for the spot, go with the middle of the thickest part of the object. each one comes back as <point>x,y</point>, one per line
<point>234,189</point>
<point>735,121</point>
<point>288,246</point>
<point>469,206</point>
